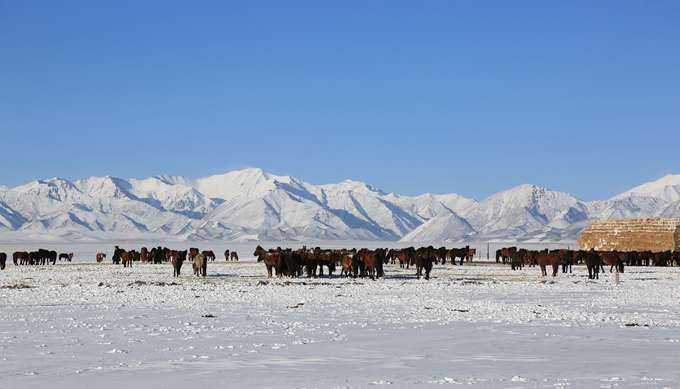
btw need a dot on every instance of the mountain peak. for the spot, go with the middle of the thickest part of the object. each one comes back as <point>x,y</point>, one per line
<point>104,186</point>
<point>243,182</point>
<point>666,188</point>
<point>356,186</point>
<point>522,191</point>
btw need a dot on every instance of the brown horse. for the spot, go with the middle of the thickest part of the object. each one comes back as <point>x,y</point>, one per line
<point>505,254</point>
<point>226,255</point>
<point>369,260</point>
<point>346,265</point>
<point>67,257</point>
<point>170,255</point>
<point>144,254</point>
<point>126,258</point>
<point>271,259</point>
<point>612,258</point>
<point>3,260</point>
<point>404,256</point>
<point>545,258</point>
<point>234,256</point>
<point>200,265</point>
<point>100,257</point>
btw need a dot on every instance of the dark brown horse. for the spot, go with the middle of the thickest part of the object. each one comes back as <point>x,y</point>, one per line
<point>442,253</point>
<point>100,257</point>
<point>465,254</point>
<point>3,260</point>
<point>193,251</point>
<point>116,258</point>
<point>593,263</point>
<point>177,259</point>
<point>664,258</point>
<point>424,258</point>
<point>209,255</point>
<point>234,256</point>
<point>518,259</point>
<point>20,258</point>
<point>67,257</point>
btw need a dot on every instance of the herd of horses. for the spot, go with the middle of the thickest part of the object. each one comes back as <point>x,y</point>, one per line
<point>310,262</point>
<point>594,260</point>
<point>356,263</point>
<point>199,259</point>
<point>120,256</point>
<point>39,257</point>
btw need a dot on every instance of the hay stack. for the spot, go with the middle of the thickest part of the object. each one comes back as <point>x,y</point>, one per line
<point>632,235</point>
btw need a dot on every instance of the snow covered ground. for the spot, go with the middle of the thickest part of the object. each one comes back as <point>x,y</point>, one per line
<point>99,325</point>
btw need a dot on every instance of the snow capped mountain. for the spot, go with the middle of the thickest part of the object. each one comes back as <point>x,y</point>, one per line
<point>251,204</point>
<point>251,182</point>
<point>627,207</point>
<point>522,210</point>
<point>666,188</point>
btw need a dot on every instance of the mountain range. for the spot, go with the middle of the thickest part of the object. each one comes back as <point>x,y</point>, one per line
<point>250,204</point>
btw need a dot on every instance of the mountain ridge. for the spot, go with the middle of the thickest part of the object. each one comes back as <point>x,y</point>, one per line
<point>251,204</point>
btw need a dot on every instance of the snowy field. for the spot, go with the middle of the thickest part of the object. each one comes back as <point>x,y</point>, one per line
<point>98,325</point>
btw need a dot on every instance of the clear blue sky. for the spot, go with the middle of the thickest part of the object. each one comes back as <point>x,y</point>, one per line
<point>443,96</point>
